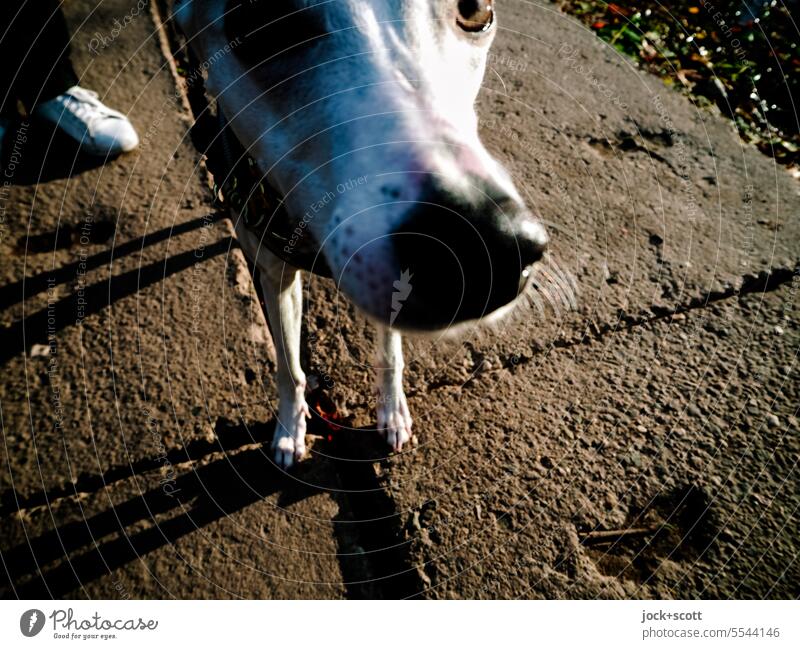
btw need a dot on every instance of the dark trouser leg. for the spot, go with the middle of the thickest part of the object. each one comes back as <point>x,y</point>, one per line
<point>34,52</point>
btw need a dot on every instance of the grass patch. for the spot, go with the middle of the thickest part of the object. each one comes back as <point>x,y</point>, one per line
<point>740,55</point>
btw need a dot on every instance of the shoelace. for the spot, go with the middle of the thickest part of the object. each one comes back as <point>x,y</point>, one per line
<point>85,106</point>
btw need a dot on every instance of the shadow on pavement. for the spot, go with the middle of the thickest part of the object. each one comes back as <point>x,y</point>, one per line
<point>194,500</point>
<point>37,327</point>
<point>18,291</point>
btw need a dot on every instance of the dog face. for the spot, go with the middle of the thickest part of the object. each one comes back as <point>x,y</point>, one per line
<point>360,114</point>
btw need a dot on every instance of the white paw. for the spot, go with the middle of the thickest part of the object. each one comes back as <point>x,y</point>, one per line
<point>394,419</point>
<point>289,441</point>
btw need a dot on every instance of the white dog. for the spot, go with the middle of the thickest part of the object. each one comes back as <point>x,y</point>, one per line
<point>360,116</point>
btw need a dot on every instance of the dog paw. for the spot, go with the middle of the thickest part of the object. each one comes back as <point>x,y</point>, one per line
<point>394,419</point>
<point>289,441</point>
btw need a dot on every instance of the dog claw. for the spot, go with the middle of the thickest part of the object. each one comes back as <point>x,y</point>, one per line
<point>289,441</point>
<point>394,419</point>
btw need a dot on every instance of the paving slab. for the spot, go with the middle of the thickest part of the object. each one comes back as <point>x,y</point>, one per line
<point>650,383</point>
<point>137,386</point>
<point>631,432</point>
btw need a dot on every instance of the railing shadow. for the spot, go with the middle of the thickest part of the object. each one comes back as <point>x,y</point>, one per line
<point>16,292</point>
<point>82,551</point>
<point>40,325</point>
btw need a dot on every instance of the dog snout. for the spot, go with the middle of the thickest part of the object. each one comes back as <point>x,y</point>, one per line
<point>464,261</point>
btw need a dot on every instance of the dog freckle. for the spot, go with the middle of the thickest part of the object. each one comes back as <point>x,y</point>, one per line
<point>391,192</point>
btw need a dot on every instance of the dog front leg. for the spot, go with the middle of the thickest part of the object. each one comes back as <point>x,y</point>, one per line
<point>394,419</point>
<point>284,299</point>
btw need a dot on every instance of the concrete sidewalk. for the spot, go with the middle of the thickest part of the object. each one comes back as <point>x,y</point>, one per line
<point>137,393</point>
<point>631,433</point>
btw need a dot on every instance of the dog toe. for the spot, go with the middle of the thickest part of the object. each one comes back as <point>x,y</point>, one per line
<point>288,443</point>
<point>396,427</point>
<point>287,449</point>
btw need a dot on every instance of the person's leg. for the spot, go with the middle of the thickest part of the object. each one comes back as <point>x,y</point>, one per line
<point>34,49</point>
<point>38,73</point>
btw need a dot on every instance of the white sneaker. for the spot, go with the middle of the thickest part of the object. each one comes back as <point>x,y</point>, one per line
<point>100,130</point>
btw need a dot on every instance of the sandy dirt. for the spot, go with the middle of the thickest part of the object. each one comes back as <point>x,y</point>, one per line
<point>632,432</point>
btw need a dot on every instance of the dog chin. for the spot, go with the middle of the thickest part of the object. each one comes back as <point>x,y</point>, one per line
<point>453,330</point>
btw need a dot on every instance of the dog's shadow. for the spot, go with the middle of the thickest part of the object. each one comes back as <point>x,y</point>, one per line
<point>61,561</point>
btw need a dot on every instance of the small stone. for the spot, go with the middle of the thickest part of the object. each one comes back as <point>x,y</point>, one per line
<point>38,350</point>
<point>423,576</point>
<point>778,330</point>
<point>641,429</point>
<point>611,277</point>
<point>773,421</point>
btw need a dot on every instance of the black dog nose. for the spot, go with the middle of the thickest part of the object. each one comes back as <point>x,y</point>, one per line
<point>463,261</point>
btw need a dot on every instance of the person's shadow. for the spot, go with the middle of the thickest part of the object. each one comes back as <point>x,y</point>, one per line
<point>62,560</point>
<point>35,151</point>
